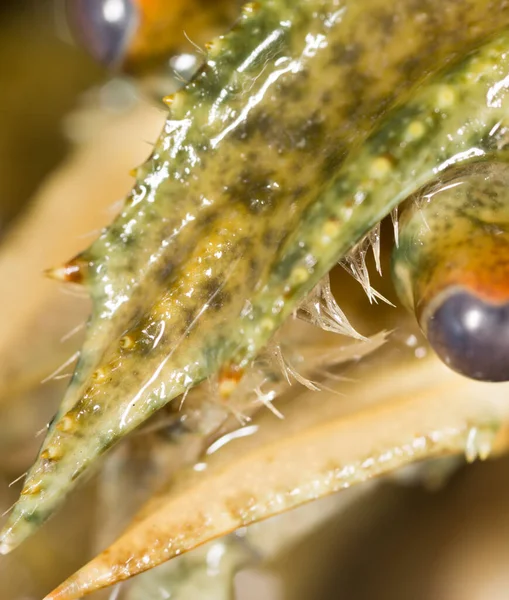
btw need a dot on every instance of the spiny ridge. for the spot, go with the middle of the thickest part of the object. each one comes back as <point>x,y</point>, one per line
<point>181,283</point>
<point>149,259</point>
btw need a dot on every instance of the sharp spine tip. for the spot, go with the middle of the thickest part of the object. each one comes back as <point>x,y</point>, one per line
<point>72,272</point>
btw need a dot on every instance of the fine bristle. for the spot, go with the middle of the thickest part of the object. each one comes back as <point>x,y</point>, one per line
<point>374,240</point>
<point>354,263</point>
<point>395,223</point>
<point>321,309</point>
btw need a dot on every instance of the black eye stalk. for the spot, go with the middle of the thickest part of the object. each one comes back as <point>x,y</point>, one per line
<point>471,336</point>
<point>140,37</point>
<point>103,27</point>
<point>452,269</point>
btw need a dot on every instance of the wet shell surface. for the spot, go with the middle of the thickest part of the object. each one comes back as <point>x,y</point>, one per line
<point>307,125</point>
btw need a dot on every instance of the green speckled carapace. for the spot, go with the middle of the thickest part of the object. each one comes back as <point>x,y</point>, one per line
<point>298,135</point>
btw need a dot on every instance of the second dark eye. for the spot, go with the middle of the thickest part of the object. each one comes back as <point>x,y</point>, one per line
<point>472,336</point>
<point>103,27</point>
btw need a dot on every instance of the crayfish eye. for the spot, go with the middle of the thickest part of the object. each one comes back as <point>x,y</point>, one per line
<point>471,335</point>
<point>103,27</point>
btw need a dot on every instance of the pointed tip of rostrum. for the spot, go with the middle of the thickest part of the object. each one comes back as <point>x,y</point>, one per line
<point>90,578</point>
<point>13,534</point>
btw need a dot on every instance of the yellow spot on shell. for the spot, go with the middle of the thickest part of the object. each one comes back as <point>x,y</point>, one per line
<point>214,47</point>
<point>126,342</point>
<point>66,424</point>
<point>331,228</point>
<point>99,375</point>
<point>227,387</point>
<point>175,102</point>
<point>446,97</point>
<point>250,8</point>
<point>32,488</point>
<point>329,231</point>
<point>415,130</point>
<point>52,453</point>
<point>299,275</point>
<point>380,167</point>
<point>267,324</point>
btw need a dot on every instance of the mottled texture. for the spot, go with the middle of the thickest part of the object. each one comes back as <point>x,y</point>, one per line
<point>263,177</point>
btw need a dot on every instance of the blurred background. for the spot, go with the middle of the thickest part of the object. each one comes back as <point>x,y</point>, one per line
<point>439,532</point>
<point>41,76</point>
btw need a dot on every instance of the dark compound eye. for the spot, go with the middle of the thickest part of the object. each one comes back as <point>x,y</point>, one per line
<point>472,336</point>
<point>103,27</point>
